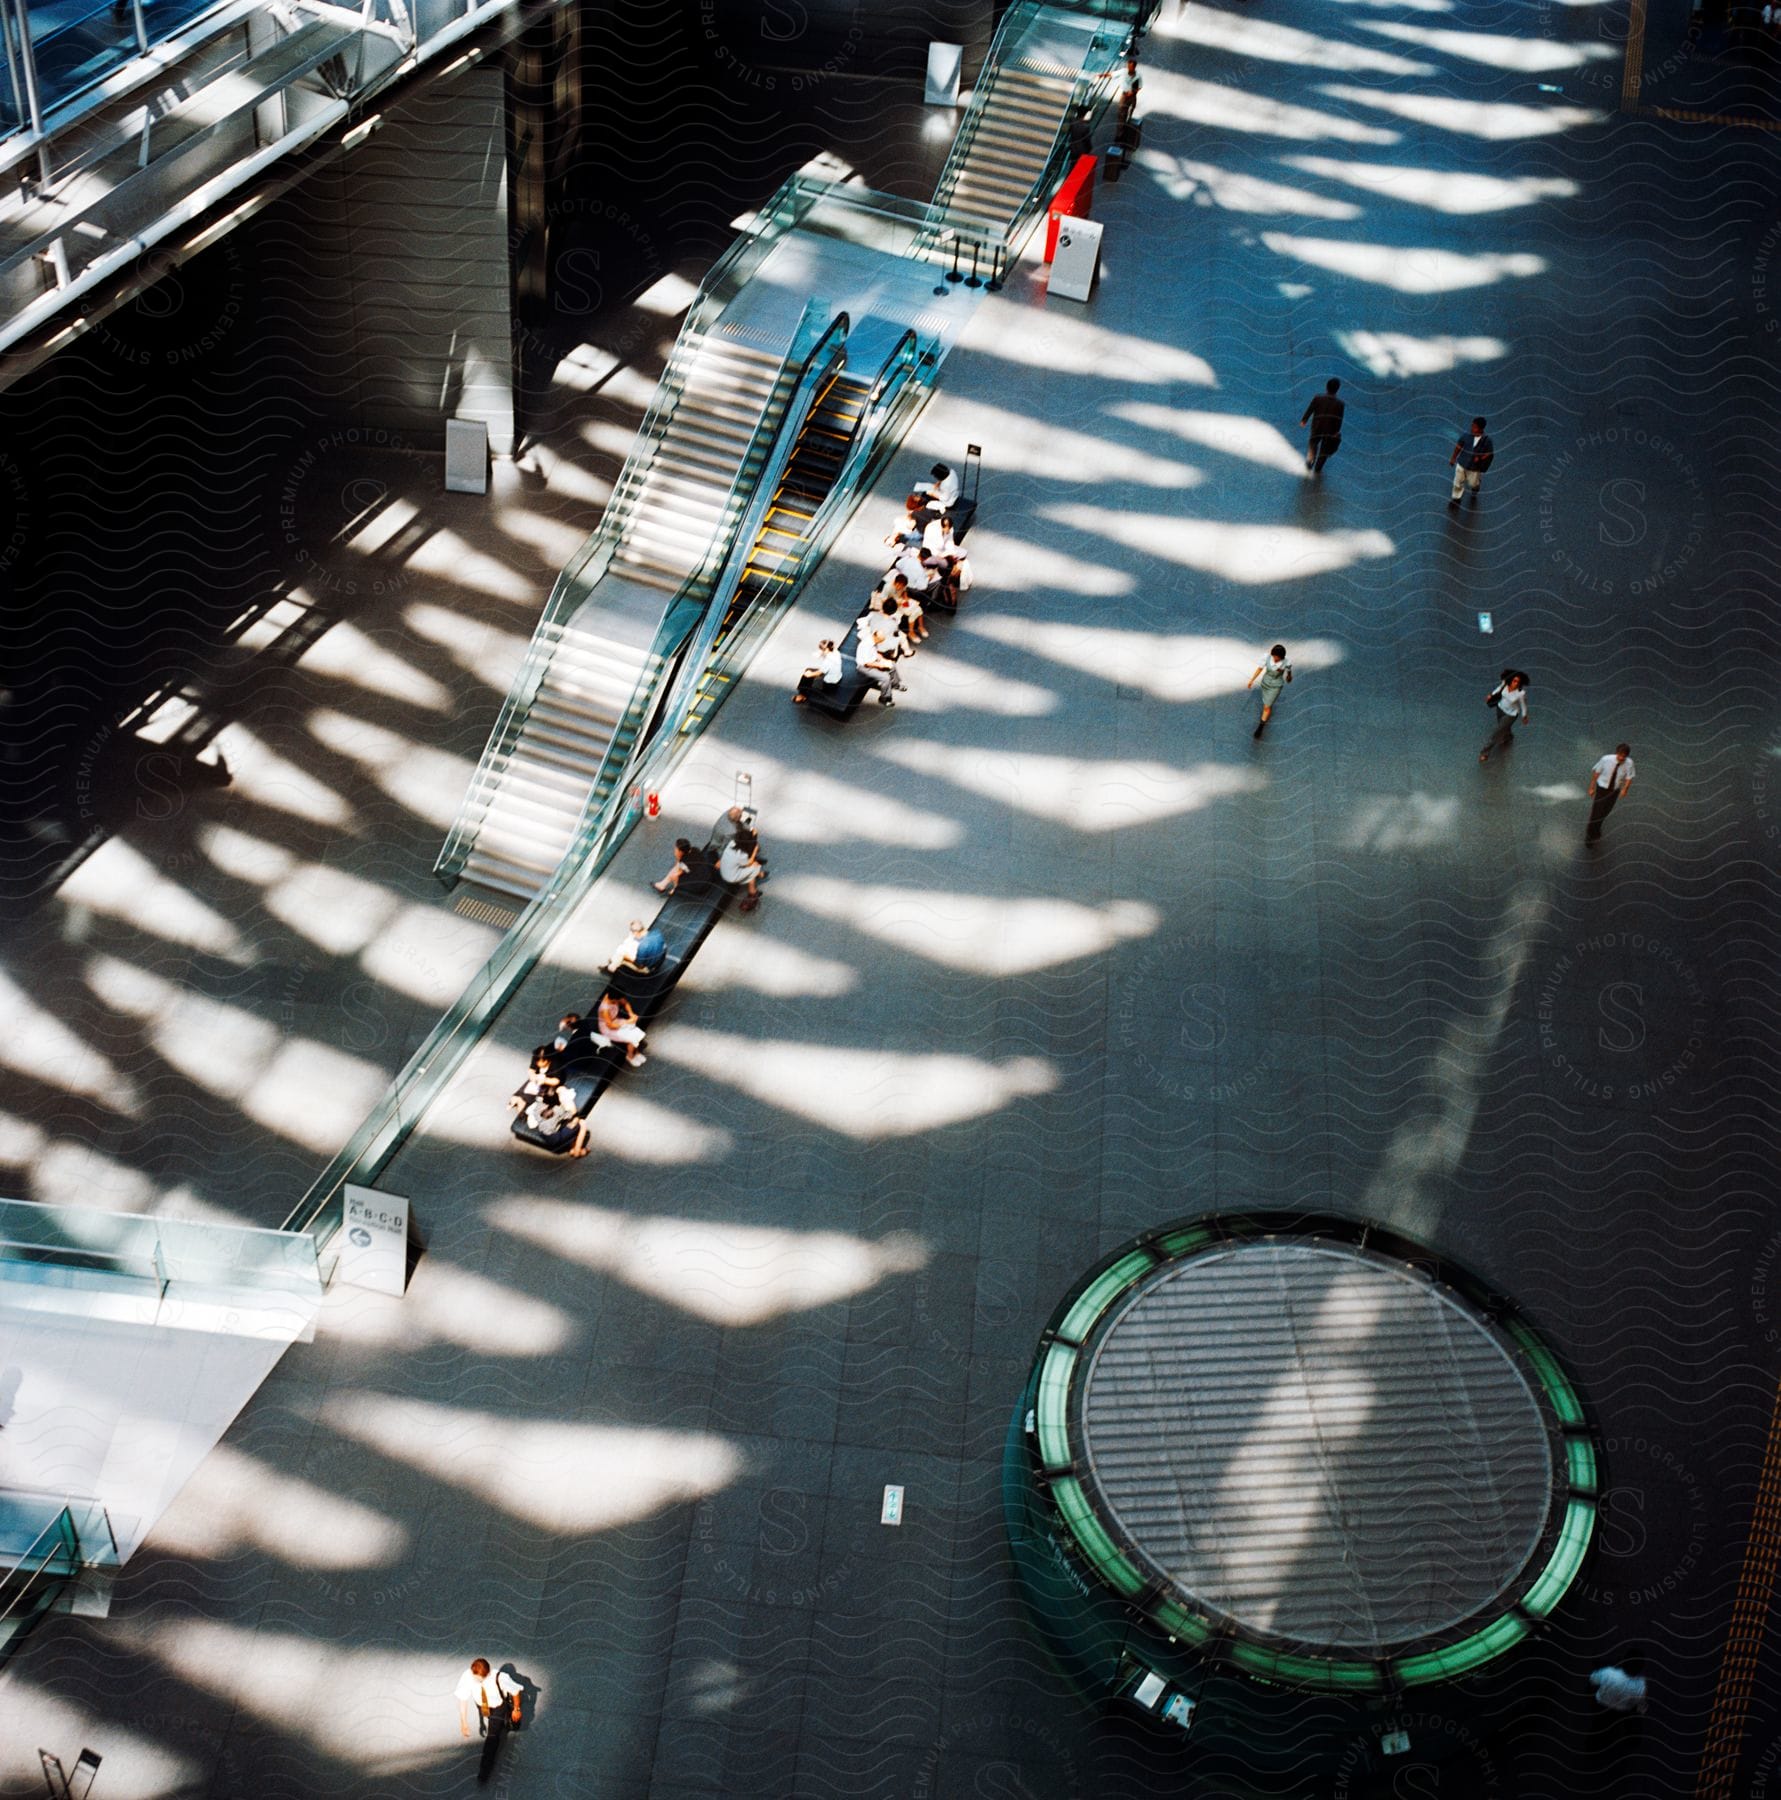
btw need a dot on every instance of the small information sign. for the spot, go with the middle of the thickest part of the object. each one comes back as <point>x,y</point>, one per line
<point>374,1241</point>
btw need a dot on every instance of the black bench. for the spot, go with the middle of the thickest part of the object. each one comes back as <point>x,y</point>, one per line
<point>685,919</point>
<point>842,699</point>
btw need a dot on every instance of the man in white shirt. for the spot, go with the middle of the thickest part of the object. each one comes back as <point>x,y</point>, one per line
<point>1609,778</point>
<point>492,1697</point>
<point>870,661</point>
<point>1510,700</point>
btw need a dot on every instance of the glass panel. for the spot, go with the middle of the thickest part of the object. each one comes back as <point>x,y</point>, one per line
<point>85,1247</point>
<point>77,43</point>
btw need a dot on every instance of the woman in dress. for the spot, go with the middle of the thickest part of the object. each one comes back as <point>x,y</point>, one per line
<point>1274,674</point>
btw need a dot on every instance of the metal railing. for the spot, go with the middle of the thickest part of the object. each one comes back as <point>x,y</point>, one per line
<point>39,1560</point>
<point>901,387</point>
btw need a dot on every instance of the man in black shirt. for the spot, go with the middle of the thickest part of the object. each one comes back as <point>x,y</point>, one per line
<point>1324,416</point>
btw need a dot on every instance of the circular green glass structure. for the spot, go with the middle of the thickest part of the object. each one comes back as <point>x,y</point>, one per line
<point>1301,1448</point>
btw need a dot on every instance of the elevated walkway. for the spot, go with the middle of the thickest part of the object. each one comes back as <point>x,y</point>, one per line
<point>95,174</point>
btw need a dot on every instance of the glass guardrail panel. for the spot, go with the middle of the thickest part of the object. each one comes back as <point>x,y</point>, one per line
<point>32,1525</point>
<point>125,1238</point>
<point>202,1253</point>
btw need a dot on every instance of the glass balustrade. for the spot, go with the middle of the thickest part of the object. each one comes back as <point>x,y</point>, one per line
<point>94,1251</point>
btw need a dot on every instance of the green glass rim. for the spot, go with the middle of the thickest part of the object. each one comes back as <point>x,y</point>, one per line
<point>1549,1573</point>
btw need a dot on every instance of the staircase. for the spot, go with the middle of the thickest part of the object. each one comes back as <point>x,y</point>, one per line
<point>539,774</point>
<point>680,500</point>
<point>1017,133</point>
<point>538,798</point>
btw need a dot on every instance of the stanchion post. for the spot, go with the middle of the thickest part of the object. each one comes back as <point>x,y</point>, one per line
<point>973,279</point>
<point>954,275</point>
<point>994,284</point>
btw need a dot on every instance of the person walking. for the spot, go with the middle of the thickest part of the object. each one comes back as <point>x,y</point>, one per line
<point>1609,778</point>
<point>1324,416</point>
<point>490,1697</point>
<point>1274,674</point>
<point>1508,699</point>
<point>1473,453</point>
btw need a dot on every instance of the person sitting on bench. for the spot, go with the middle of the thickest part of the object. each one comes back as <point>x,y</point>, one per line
<point>740,862</point>
<point>871,661</point>
<point>824,672</point>
<point>616,1023</point>
<point>557,1127</point>
<point>879,622</point>
<point>910,563</point>
<point>929,499</point>
<point>539,1081</point>
<point>942,490</point>
<point>946,557</point>
<point>643,952</point>
<point>908,609</point>
<point>689,860</point>
<point>569,1027</point>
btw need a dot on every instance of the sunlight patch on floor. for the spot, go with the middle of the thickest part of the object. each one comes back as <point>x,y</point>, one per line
<point>811,807</point>
<point>1417,270</point>
<point>717,1269</point>
<point>429,782</point>
<point>379,1712</point>
<point>1495,121</point>
<point>1092,795</point>
<point>1182,178</point>
<point>345,653</point>
<point>446,1304</point>
<point>1230,109</point>
<point>119,882</point>
<point>1248,36</point>
<point>1389,354</point>
<point>306,1091</point>
<point>1240,435</point>
<point>452,560</point>
<point>1441,190</point>
<point>1250,554</point>
<point>70,1172</point>
<point>1393,822</point>
<point>481,649</point>
<point>1524,55</point>
<point>234,1504</point>
<point>1062,345</point>
<point>269,780</point>
<point>1180,666</point>
<point>37,1044</point>
<point>558,1475</point>
<point>865,1094</point>
<point>988,934</point>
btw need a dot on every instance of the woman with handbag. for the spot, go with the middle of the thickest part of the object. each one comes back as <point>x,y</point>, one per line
<point>1508,699</point>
